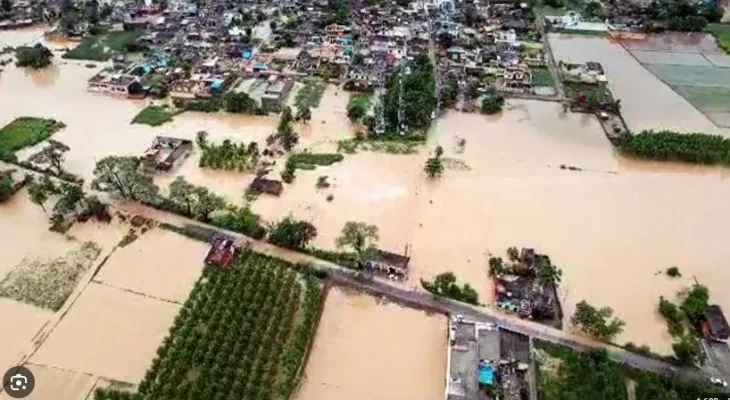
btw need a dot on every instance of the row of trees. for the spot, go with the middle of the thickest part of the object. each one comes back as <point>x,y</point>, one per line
<point>412,90</point>
<point>228,155</point>
<point>665,145</point>
<point>238,332</point>
<point>684,15</point>
<point>445,285</point>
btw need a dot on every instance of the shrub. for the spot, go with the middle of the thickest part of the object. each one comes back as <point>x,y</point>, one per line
<point>673,272</point>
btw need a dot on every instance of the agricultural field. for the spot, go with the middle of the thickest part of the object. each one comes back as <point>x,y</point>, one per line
<point>242,333</point>
<point>25,131</point>
<point>361,352</point>
<point>153,116</point>
<point>103,46</point>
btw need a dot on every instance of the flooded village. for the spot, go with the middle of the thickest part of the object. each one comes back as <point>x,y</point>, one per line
<point>337,175</point>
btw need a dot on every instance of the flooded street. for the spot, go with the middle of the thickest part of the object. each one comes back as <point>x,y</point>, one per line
<point>391,352</point>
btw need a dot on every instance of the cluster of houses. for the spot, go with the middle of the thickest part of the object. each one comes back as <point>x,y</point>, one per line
<point>495,43</point>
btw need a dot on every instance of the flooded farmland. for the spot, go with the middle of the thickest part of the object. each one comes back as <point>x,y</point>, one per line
<point>611,226</point>
<point>366,350</point>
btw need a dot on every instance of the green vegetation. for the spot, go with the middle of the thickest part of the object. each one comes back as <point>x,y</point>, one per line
<point>542,77</point>
<point>360,238</point>
<point>721,32</point>
<point>242,333</point>
<point>597,322</point>
<point>586,94</point>
<point>7,186</point>
<point>310,161</point>
<point>698,148</point>
<point>285,132</point>
<point>240,103</point>
<point>434,166</point>
<point>287,175</point>
<point>51,156</point>
<point>492,102</point>
<point>292,234</point>
<point>71,202</point>
<point>683,15</point>
<point>153,116</point>
<point>565,374</point>
<point>227,155</point>
<point>196,201</point>
<point>358,106</point>
<point>23,132</point>
<point>445,285</point>
<point>418,100</point>
<point>681,321</point>
<point>121,176</point>
<point>578,375</point>
<point>35,57</point>
<point>103,46</point>
<point>310,94</point>
<point>242,220</point>
<point>350,146</point>
<point>673,272</point>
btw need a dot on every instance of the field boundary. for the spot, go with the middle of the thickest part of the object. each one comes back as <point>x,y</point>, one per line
<point>312,338</point>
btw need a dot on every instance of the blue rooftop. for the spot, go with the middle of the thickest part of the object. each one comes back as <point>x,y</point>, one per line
<point>486,374</point>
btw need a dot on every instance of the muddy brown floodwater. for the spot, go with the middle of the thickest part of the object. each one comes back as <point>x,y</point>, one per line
<point>611,226</point>
<point>365,350</point>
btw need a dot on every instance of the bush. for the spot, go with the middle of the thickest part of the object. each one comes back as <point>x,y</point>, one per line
<point>597,322</point>
<point>445,285</point>
<point>242,220</point>
<point>311,160</point>
<point>292,234</point>
<point>36,57</point>
<point>673,272</point>
<point>492,103</point>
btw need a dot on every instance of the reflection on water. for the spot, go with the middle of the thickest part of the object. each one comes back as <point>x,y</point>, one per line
<point>43,77</point>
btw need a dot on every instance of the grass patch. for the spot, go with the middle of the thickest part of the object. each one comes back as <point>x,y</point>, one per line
<point>48,284</point>
<point>310,161</point>
<point>103,46</point>
<point>721,32</point>
<point>599,92</point>
<point>153,116</point>
<point>242,333</point>
<point>310,95</point>
<point>351,146</point>
<point>542,77</point>
<point>25,131</point>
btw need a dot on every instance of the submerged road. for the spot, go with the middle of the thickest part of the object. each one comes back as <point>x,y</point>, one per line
<point>536,331</point>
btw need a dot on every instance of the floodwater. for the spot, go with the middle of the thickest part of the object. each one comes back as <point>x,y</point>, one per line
<point>647,103</point>
<point>365,350</point>
<point>611,226</point>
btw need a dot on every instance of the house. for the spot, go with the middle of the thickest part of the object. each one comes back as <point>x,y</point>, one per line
<point>516,78</point>
<point>715,326</point>
<point>164,152</point>
<point>270,186</point>
<point>388,264</point>
<point>276,93</point>
<point>111,82</point>
<point>221,252</point>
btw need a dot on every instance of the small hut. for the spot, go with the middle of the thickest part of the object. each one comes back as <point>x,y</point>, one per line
<point>389,264</point>
<point>715,326</point>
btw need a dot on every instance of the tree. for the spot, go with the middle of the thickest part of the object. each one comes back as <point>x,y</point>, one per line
<point>687,350</point>
<point>71,196</point>
<point>492,102</point>
<point>292,234</point>
<point>272,25</point>
<point>120,175</point>
<point>673,272</point>
<point>357,110</point>
<point>195,201</point>
<point>445,285</point>
<point>360,237</point>
<point>675,319</point>
<point>445,39</point>
<point>285,132</point>
<point>597,322</point>
<point>53,155</point>
<point>549,274</point>
<point>181,192</point>
<point>439,151</point>
<point>496,266</point>
<point>6,6</point>
<point>712,11</point>
<point>513,254</point>
<point>287,175</point>
<point>35,57</point>
<point>304,114</point>
<point>434,167</point>
<point>6,186</point>
<point>696,303</point>
<point>239,102</point>
<point>69,19</point>
<point>38,192</point>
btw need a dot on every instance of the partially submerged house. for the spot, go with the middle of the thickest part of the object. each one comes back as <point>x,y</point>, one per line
<point>264,185</point>
<point>165,151</point>
<point>714,325</point>
<point>221,253</point>
<point>394,266</point>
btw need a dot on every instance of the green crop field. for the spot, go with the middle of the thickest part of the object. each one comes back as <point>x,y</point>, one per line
<point>24,132</point>
<point>242,334</point>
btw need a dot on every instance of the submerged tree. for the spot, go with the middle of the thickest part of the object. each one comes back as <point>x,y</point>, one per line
<point>493,102</point>
<point>292,234</point>
<point>195,201</point>
<point>696,303</point>
<point>360,237</point>
<point>6,186</point>
<point>35,57</point>
<point>304,114</point>
<point>597,322</point>
<point>285,131</point>
<point>53,155</point>
<point>121,176</point>
<point>445,285</point>
<point>434,167</point>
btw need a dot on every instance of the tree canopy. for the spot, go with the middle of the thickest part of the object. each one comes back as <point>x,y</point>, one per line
<point>360,237</point>
<point>53,155</point>
<point>36,57</point>
<point>597,322</point>
<point>696,303</point>
<point>195,201</point>
<point>417,83</point>
<point>120,175</point>
<point>445,285</point>
<point>292,234</point>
